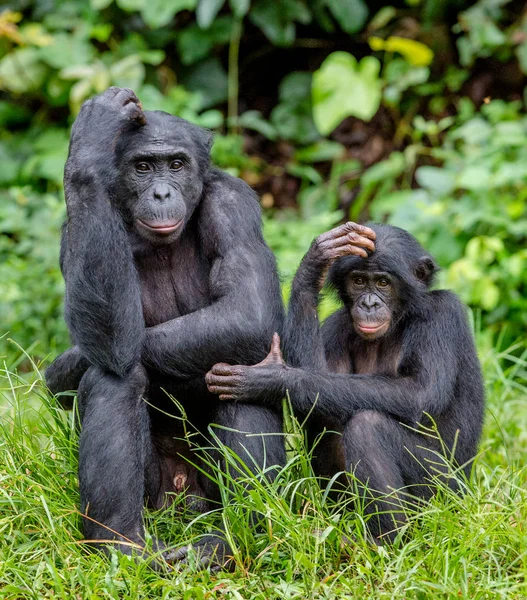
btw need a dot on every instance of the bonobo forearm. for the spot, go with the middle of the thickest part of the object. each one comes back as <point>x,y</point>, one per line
<point>191,344</point>
<point>338,396</point>
<point>66,371</point>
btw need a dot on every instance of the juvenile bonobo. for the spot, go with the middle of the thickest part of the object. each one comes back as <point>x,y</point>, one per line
<point>396,357</point>
<point>166,274</point>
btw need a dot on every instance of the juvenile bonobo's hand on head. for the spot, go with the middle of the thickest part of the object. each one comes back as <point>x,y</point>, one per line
<point>167,273</point>
<point>398,356</point>
<point>349,239</point>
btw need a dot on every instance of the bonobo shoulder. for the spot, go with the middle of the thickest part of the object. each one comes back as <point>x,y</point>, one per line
<point>231,208</point>
<point>233,191</point>
<point>449,308</point>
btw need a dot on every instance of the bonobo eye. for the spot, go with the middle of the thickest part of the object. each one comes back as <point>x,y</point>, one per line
<point>359,281</point>
<point>383,283</point>
<point>176,165</point>
<point>142,167</point>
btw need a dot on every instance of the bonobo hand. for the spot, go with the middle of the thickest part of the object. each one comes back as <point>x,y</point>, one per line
<point>101,119</point>
<point>348,239</point>
<point>256,383</point>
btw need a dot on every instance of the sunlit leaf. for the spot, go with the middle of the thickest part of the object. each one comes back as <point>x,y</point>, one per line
<point>343,87</point>
<point>416,53</point>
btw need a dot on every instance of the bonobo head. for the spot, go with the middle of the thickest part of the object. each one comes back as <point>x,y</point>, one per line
<point>386,287</point>
<point>161,167</point>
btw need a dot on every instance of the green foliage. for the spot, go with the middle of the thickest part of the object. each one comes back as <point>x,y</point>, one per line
<point>470,211</point>
<point>449,172</point>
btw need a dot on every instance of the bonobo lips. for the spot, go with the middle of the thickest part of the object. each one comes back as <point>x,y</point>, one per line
<point>370,327</point>
<point>161,228</point>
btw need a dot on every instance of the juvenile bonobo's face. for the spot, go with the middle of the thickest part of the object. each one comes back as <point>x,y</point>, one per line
<point>372,298</point>
<point>161,176</point>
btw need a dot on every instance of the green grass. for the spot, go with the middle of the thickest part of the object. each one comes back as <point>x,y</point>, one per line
<point>470,546</point>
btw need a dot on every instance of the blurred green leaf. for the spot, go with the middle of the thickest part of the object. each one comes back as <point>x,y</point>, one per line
<point>239,7</point>
<point>343,87</point>
<point>158,13</point>
<point>22,71</point>
<point>320,152</point>
<point>351,15</point>
<point>207,11</point>
<point>277,19</point>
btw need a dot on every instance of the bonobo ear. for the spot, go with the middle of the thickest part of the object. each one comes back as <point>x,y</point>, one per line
<point>425,270</point>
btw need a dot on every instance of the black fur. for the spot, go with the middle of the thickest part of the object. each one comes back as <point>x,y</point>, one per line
<point>151,309</point>
<point>374,389</point>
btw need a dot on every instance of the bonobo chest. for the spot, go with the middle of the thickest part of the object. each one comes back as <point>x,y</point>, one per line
<point>174,280</point>
<point>376,358</point>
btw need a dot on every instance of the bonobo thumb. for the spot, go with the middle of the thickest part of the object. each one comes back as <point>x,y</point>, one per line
<point>275,355</point>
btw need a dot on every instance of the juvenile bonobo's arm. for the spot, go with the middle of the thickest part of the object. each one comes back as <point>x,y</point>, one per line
<point>102,301</point>
<point>427,384</point>
<point>247,305</point>
<point>302,342</point>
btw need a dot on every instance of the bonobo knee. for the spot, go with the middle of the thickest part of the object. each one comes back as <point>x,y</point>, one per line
<point>99,386</point>
<point>366,425</point>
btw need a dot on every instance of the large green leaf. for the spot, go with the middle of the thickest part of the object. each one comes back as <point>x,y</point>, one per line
<point>277,19</point>
<point>343,87</point>
<point>158,13</point>
<point>206,12</point>
<point>194,43</point>
<point>350,14</point>
<point>239,7</point>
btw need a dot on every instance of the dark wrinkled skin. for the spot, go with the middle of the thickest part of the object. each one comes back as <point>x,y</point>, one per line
<point>166,273</point>
<point>397,357</point>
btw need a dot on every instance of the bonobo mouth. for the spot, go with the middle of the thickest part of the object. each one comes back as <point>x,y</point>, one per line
<point>161,228</point>
<point>370,329</point>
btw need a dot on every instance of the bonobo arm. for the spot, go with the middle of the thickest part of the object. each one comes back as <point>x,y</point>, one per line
<point>426,380</point>
<point>247,306</point>
<point>302,342</point>
<point>102,301</point>
<point>65,373</point>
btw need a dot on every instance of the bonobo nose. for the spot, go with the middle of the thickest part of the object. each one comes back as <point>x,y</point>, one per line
<point>369,302</point>
<point>161,192</point>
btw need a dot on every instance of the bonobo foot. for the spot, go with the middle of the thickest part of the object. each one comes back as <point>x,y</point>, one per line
<point>212,551</point>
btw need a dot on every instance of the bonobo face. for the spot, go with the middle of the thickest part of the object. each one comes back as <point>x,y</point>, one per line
<point>161,176</point>
<point>372,297</point>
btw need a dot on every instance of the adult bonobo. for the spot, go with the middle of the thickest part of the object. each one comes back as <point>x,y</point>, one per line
<point>395,358</point>
<point>166,274</point>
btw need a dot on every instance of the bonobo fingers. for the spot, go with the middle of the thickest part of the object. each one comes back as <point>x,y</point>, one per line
<point>345,240</point>
<point>126,102</point>
<point>121,102</point>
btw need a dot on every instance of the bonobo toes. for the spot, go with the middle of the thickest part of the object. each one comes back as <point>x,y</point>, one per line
<point>212,551</point>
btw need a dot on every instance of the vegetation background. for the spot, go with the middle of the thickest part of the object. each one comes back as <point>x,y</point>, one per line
<point>411,112</point>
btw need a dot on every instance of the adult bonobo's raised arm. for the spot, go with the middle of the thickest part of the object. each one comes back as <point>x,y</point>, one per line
<point>166,273</point>
<point>396,357</point>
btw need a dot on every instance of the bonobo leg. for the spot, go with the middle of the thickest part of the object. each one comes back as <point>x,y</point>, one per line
<point>255,434</point>
<point>114,455</point>
<point>386,456</point>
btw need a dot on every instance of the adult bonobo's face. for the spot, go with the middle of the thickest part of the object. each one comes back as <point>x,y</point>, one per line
<point>161,170</point>
<point>372,298</point>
